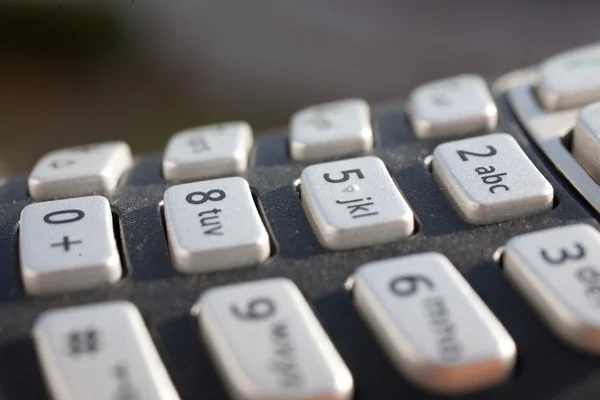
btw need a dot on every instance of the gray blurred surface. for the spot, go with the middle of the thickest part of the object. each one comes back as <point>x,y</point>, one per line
<point>140,70</point>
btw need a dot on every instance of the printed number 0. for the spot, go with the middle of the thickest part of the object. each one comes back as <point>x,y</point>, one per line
<point>564,255</point>
<point>256,309</point>
<point>345,176</point>
<point>408,285</point>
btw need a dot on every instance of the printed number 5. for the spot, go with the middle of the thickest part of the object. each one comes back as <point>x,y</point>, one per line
<point>345,176</point>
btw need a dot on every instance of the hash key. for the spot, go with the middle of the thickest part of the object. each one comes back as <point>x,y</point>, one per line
<point>354,203</point>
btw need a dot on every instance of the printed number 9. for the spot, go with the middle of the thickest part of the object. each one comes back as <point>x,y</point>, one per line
<point>256,309</point>
<point>408,285</point>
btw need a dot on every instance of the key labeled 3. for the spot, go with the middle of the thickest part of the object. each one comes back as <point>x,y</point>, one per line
<point>214,225</point>
<point>268,344</point>
<point>354,203</point>
<point>432,325</point>
<point>490,179</point>
<point>558,271</point>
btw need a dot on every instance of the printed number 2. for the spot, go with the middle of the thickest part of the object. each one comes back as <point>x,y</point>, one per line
<point>345,176</point>
<point>463,153</point>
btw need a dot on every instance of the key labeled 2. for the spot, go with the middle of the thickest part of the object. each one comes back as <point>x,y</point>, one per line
<point>214,225</point>
<point>354,203</point>
<point>268,344</point>
<point>490,179</point>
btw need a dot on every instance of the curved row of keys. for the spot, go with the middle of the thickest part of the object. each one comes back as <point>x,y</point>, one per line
<point>215,224</point>
<point>267,343</point>
<point>451,107</point>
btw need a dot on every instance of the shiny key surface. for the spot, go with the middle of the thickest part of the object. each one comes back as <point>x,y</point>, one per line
<point>490,179</point>
<point>586,140</point>
<point>80,171</point>
<point>570,79</point>
<point>267,343</point>
<point>208,152</point>
<point>353,203</point>
<point>331,130</point>
<point>67,245</point>
<point>432,325</point>
<point>558,272</point>
<point>453,106</point>
<point>100,351</point>
<point>214,225</point>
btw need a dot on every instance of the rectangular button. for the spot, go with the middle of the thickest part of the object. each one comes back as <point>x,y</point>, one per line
<point>268,344</point>
<point>558,272</point>
<point>100,351</point>
<point>67,245</point>
<point>454,106</point>
<point>80,171</point>
<point>331,130</point>
<point>490,179</point>
<point>586,140</point>
<point>208,152</point>
<point>433,326</point>
<point>570,79</point>
<point>353,203</point>
<point>213,225</point>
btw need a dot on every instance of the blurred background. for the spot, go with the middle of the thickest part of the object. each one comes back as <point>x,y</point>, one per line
<point>75,72</point>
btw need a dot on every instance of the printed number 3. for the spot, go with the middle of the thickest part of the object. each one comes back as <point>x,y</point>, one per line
<point>345,176</point>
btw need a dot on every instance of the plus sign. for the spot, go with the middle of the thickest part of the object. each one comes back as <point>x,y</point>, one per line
<point>65,243</point>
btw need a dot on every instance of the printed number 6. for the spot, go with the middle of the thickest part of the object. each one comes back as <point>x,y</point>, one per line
<point>256,309</point>
<point>408,285</point>
<point>345,176</point>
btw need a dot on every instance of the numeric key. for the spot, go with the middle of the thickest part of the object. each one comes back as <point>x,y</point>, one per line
<point>558,272</point>
<point>432,325</point>
<point>67,245</point>
<point>353,203</point>
<point>490,179</point>
<point>208,152</point>
<point>80,171</point>
<point>336,129</point>
<point>213,225</point>
<point>452,107</point>
<point>100,351</point>
<point>268,344</point>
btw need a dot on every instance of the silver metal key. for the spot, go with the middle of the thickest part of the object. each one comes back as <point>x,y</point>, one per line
<point>214,225</point>
<point>267,343</point>
<point>353,203</point>
<point>586,140</point>
<point>208,152</point>
<point>101,351</point>
<point>490,179</point>
<point>452,107</point>
<point>80,171</point>
<point>67,245</point>
<point>570,79</point>
<point>330,130</point>
<point>558,272</point>
<point>432,325</point>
